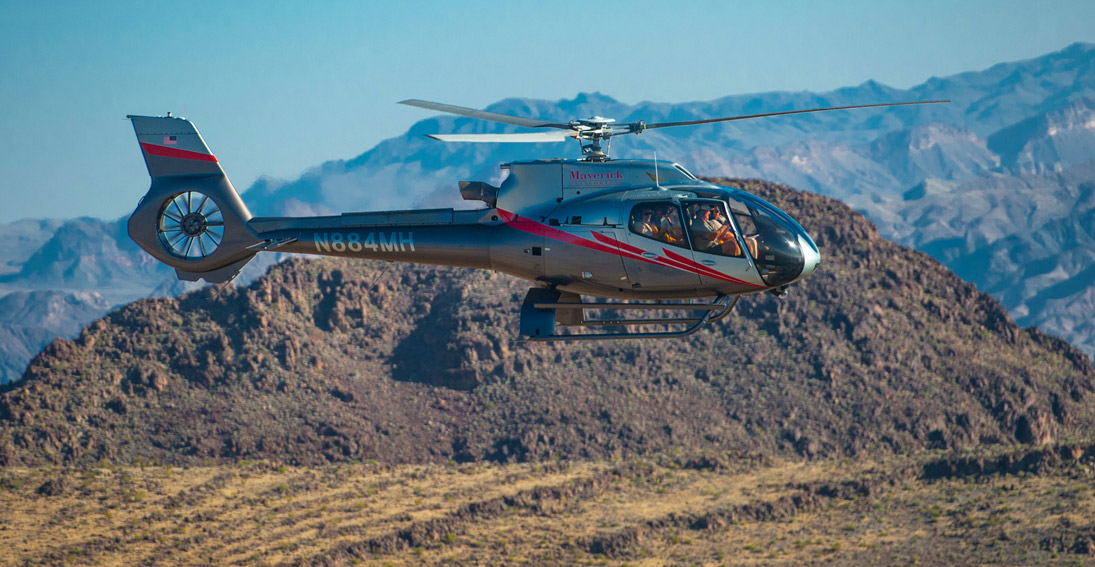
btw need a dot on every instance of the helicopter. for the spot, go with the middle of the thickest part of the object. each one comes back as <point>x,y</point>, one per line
<point>637,235</point>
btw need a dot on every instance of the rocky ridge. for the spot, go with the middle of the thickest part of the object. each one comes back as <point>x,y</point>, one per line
<point>881,351</point>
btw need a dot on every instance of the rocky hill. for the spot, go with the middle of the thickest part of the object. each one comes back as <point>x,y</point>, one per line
<point>881,351</point>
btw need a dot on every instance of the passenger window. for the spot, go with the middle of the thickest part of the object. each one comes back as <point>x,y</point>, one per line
<point>711,230</point>
<point>659,221</point>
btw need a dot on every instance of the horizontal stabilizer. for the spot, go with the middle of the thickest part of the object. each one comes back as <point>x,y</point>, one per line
<point>220,275</point>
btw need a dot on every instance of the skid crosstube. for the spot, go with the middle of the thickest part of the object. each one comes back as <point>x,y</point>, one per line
<point>543,308</point>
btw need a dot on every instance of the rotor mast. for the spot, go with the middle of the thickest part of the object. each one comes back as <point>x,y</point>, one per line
<point>590,132</point>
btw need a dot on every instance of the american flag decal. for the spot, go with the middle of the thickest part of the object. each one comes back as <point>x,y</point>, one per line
<point>170,140</point>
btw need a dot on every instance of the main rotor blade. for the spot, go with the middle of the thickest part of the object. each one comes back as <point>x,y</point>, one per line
<point>729,118</point>
<point>534,137</point>
<point>484,115</point>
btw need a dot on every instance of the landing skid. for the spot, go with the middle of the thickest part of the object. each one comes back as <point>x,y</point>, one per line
<point>544,308</point>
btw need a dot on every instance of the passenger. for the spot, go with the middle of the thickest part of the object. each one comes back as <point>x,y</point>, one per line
<point>669,225</point>
<point>645,224</point>
<point>751,242</point>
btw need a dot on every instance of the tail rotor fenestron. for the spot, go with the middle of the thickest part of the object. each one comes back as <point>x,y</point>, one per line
<point>191,225</point>
<point>192,219</point>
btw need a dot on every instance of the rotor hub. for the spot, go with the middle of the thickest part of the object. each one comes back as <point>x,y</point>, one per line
<point>595,121</point>
<point>194,224</point>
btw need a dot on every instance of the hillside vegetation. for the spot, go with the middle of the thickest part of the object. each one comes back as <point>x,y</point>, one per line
<point>882,351</point>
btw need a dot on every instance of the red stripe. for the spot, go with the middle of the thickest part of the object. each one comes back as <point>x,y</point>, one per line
<point>532,227</point>
<point>710,272</point>
<point>164,151</point>
<point>681,263</point>
<point>615,247</point>
<point>674,260</point>
<point>623,246</point>
<point>637,254</point>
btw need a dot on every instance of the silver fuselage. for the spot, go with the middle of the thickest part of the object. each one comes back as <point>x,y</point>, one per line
<point>582,242</point>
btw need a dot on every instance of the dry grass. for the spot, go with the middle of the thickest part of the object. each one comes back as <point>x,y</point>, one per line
<point>649,512</point>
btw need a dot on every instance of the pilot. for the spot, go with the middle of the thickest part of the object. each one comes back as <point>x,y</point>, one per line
<point>704,228</point>
<point>716,235</point>
<point>725,236</point>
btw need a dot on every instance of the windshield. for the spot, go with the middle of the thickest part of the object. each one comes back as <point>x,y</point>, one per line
<point>771,238</point>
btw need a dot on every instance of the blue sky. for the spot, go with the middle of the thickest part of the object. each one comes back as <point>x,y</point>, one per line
<point>278,87</point>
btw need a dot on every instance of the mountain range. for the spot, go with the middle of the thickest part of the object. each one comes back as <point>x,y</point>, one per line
<point>996,184</point>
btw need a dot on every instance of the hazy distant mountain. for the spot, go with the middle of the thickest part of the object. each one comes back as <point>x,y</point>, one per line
<point>935,150</point>
<point>1048,142</point>
<point>1028,240</point>
<point>413,169</point>
<point>1026,125</point>
<point>89,253</point>
<point>20,239</point>
<point>1006,93</point>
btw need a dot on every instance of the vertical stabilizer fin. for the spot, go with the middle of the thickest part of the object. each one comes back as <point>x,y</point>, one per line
<point>172,146</point>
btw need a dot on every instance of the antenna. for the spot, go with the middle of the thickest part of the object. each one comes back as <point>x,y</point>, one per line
<point>657,181</point>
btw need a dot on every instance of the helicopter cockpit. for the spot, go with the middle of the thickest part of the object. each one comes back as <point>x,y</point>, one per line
<point>732,224</point>
<point>781,249</point>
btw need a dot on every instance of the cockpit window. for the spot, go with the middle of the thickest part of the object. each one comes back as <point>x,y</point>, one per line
<point>660,221</point>
<point>711,230</point>
<point>686,173</point>
<point>771,238</point>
